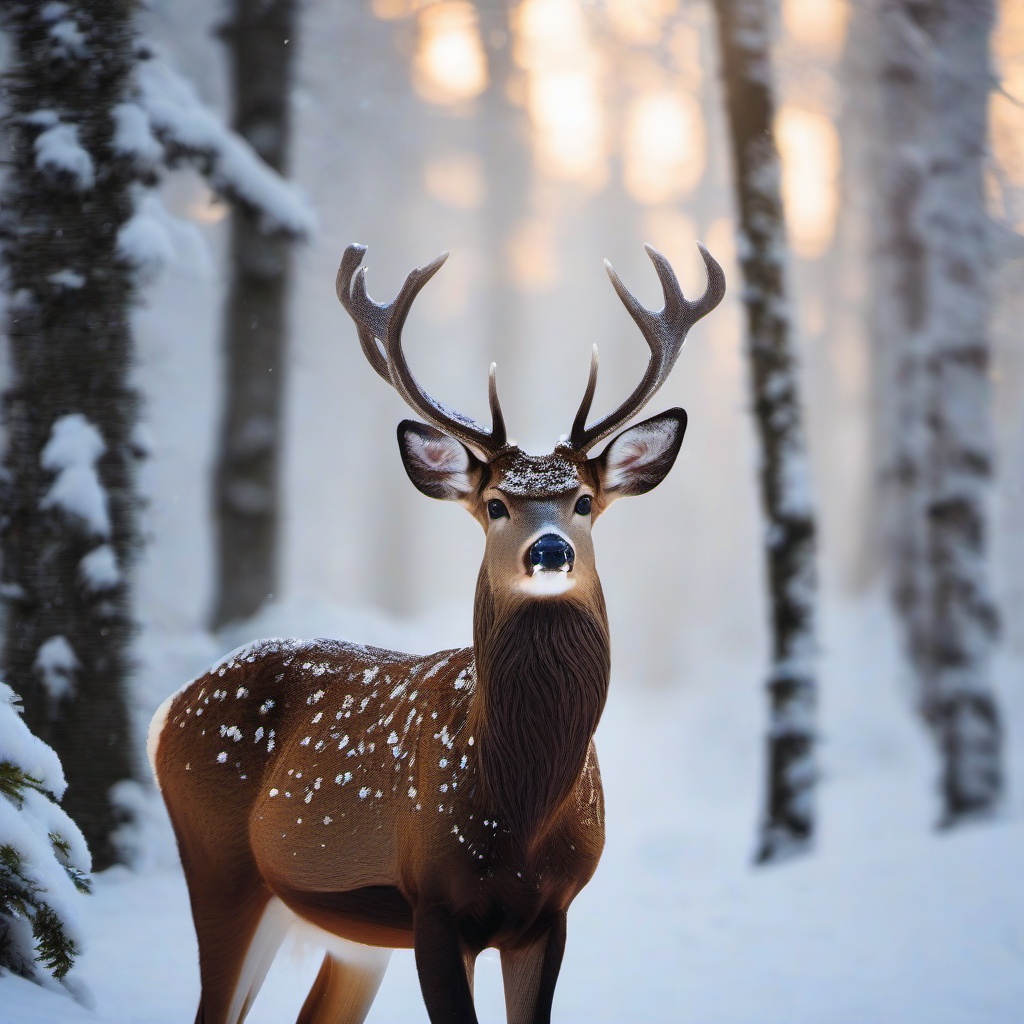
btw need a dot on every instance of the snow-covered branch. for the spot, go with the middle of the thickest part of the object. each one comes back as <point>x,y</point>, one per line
<point>190,132</point>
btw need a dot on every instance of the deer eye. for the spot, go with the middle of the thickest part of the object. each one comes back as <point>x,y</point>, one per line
<point>496,509</point>
<point>583,505</point>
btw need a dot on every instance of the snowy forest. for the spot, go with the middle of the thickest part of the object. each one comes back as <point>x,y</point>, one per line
<point>813,746</point>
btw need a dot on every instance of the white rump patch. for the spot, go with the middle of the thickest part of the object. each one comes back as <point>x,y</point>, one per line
<point>156,727</point>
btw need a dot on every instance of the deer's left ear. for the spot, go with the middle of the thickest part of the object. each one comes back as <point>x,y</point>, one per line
<point>639,458</point>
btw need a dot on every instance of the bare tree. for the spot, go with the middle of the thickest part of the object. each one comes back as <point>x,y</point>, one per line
<point>259,35</point>
<point>744,42</point>
<point>932,264</point>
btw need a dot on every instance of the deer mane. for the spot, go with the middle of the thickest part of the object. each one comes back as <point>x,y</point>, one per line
<point>543,672</point>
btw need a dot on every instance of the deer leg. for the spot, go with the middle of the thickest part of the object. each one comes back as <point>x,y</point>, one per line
<point>344,989</point>
<point>441,962</point>
<point>239,934</point>
<point>530,974</point>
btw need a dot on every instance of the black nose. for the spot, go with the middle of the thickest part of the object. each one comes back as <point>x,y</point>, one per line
<point>551,552</point>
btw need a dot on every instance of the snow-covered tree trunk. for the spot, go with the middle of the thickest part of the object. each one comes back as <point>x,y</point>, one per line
<point>93,118</point>
<point>68,529</point>
<point>744,42</point>
<point>933,264</point>
<point>261,41</point>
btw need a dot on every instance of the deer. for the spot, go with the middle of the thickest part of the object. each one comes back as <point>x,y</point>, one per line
<point>445,803</point>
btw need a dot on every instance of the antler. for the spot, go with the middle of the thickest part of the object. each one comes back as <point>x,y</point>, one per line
<point>664,331</point>
<point>381,325</point>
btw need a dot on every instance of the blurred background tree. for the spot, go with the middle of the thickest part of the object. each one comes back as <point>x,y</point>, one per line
<point>744,32</point>
<point>932,274</point>
<point>94,119</point>
<point>247,475</point>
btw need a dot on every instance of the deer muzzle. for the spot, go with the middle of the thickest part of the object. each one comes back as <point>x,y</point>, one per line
<point>550,553</point>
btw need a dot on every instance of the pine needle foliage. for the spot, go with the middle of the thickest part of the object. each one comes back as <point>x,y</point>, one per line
<point>44,864</point>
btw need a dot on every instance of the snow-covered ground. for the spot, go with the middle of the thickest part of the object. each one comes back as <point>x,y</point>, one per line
<point>888,921</point>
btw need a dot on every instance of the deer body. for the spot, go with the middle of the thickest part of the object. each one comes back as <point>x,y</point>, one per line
<point>445,803</point>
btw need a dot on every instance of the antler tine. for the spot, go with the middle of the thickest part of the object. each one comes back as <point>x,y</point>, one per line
<point>364,316</point>
<point>664,331</point>
<point>383,323</point>
<point>579,425</point>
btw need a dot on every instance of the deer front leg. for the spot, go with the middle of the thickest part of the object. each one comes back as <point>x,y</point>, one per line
<point>444,966</point>
<point>530,974</point>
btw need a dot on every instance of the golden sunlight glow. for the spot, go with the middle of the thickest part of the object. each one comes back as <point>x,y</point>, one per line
<point>531,255</point>
<point>721,241</point>
<point>392,10</point>
<point>639,21</point>
<point>684,46</point>
<point>563,95</point>
<point>201,204</point>
<point>674,234</point>
<point>1007,125</point>
<point>809,148</point>
<point>817,25</point>
<point>456,179</point>
<point>727,332</point>
<point>449,66</point>
<point>1006,108</point>
<point>664,147</point>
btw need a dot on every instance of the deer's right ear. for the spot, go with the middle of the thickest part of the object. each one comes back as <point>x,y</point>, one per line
<point>437,464</point>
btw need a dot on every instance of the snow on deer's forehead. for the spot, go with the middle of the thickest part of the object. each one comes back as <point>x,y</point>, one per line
<point>536,476</point>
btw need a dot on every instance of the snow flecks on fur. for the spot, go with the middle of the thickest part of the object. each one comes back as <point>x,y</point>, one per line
<point>534,476</point>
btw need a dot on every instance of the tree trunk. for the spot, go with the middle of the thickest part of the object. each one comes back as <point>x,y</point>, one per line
<point>933,267</point>
<point>68,532</point>
<point>261,39</point>
<point>744,40</point>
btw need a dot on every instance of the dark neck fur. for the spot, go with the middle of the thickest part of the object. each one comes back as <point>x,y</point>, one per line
<point>542,680</point>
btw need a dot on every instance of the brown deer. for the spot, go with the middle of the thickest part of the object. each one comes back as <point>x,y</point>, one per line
<point>446,803</point>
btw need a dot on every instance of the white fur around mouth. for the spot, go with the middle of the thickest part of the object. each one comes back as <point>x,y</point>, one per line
<point>547,583</point>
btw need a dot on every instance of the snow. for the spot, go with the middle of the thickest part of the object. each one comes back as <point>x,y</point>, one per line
<point>56,664</point>
<point>20,747</point>
<point>58,149</point>
<point>180,119</point>
<point>67,279</point>
<point>888,919</point>
<point>29,824</point>
<point>535,476</point>
<point>133,136</point>
<point>144,239</point>
<point>74,448</point>
<point>99,569</point>
<point>66,37</point>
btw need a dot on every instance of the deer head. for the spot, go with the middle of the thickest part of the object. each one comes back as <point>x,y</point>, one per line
<point>537,510</point>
